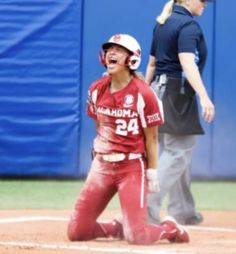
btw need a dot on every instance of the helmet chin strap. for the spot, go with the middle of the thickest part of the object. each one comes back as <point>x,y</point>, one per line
<point>132,62</point>
<point>103,61</point>
<point>125,64</point>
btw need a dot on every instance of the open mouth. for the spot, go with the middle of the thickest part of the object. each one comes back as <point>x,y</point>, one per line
<point>112,61</point>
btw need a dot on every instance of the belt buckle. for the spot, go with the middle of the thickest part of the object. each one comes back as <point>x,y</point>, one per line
<point>114,157</point>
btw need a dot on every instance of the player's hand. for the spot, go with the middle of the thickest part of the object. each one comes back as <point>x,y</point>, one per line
<point>152,180</point>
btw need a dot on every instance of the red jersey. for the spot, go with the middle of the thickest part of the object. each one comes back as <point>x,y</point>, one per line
<point>122,115</point>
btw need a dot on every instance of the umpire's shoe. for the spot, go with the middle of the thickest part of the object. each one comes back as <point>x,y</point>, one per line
<point>193,220</point>
<point>181,235</point>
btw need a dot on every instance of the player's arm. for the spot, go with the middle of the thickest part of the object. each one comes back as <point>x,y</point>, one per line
<point>151,146</point>
<point>152,154</point>
<point>93,153</point>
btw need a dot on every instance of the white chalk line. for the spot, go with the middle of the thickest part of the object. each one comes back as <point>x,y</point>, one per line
<point>102,249</point>
<point>111,250</point>
<point>58,218</point>
<point>92,249</point>
<point>212,229</point>
<point>31,218</point>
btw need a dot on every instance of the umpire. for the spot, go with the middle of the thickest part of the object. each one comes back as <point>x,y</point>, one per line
<point>177,57</point>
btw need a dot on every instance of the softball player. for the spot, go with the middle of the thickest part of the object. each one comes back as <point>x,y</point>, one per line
<point>127,114</point>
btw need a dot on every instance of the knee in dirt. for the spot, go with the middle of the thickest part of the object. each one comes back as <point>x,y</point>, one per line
<point>136,238</point>
<point>75,233</point>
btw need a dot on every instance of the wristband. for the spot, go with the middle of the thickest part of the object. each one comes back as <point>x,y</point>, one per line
<point>152,174</point>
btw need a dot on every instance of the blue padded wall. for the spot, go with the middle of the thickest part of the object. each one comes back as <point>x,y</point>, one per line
<point>49,57</point>
<point>39,87</point>
<point>224,141</point>
<point>215,158</point>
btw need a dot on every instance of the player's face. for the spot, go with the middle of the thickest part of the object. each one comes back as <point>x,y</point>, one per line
<point>116,58</point>
<point>197,7</point>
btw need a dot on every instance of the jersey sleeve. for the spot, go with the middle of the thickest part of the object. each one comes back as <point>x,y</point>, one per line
<point>189,37</point>
<point>95,91</point>
<point>150,109</point>
<point>91,103</point>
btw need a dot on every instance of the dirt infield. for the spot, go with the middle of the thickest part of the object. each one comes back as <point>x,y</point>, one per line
<point>44,231</point>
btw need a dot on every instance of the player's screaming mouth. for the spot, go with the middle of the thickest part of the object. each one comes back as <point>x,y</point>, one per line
<point>112,61</point>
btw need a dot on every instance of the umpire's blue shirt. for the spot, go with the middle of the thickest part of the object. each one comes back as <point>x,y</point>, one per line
<point>180,33</point>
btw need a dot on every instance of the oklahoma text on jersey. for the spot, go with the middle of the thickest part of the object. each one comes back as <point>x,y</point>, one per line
<point>117,112</point>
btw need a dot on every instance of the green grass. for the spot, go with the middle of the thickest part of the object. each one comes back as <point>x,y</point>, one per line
<point>215,195</point>
<point>48,194</point>
<point>33,194</point>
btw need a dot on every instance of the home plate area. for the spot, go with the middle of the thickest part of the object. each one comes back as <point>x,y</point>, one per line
<point>44,231</point>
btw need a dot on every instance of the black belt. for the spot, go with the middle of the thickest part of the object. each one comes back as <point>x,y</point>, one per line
<point>164,78</point>
<point>174,84</point>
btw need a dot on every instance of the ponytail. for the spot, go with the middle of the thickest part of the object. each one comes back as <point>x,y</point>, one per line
<point>138,75</point>
<point>166,12</point>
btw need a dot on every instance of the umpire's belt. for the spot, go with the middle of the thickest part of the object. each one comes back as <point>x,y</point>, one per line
<point>164,79</point>
<point>115,157</point>
<point>174,84</point>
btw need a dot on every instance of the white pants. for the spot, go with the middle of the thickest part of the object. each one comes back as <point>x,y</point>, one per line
<point>174,172</point>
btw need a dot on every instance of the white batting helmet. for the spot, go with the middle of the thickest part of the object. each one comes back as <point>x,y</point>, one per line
<point>130,43</point>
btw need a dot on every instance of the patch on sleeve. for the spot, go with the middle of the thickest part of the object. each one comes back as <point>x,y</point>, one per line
<point>153,118</point>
